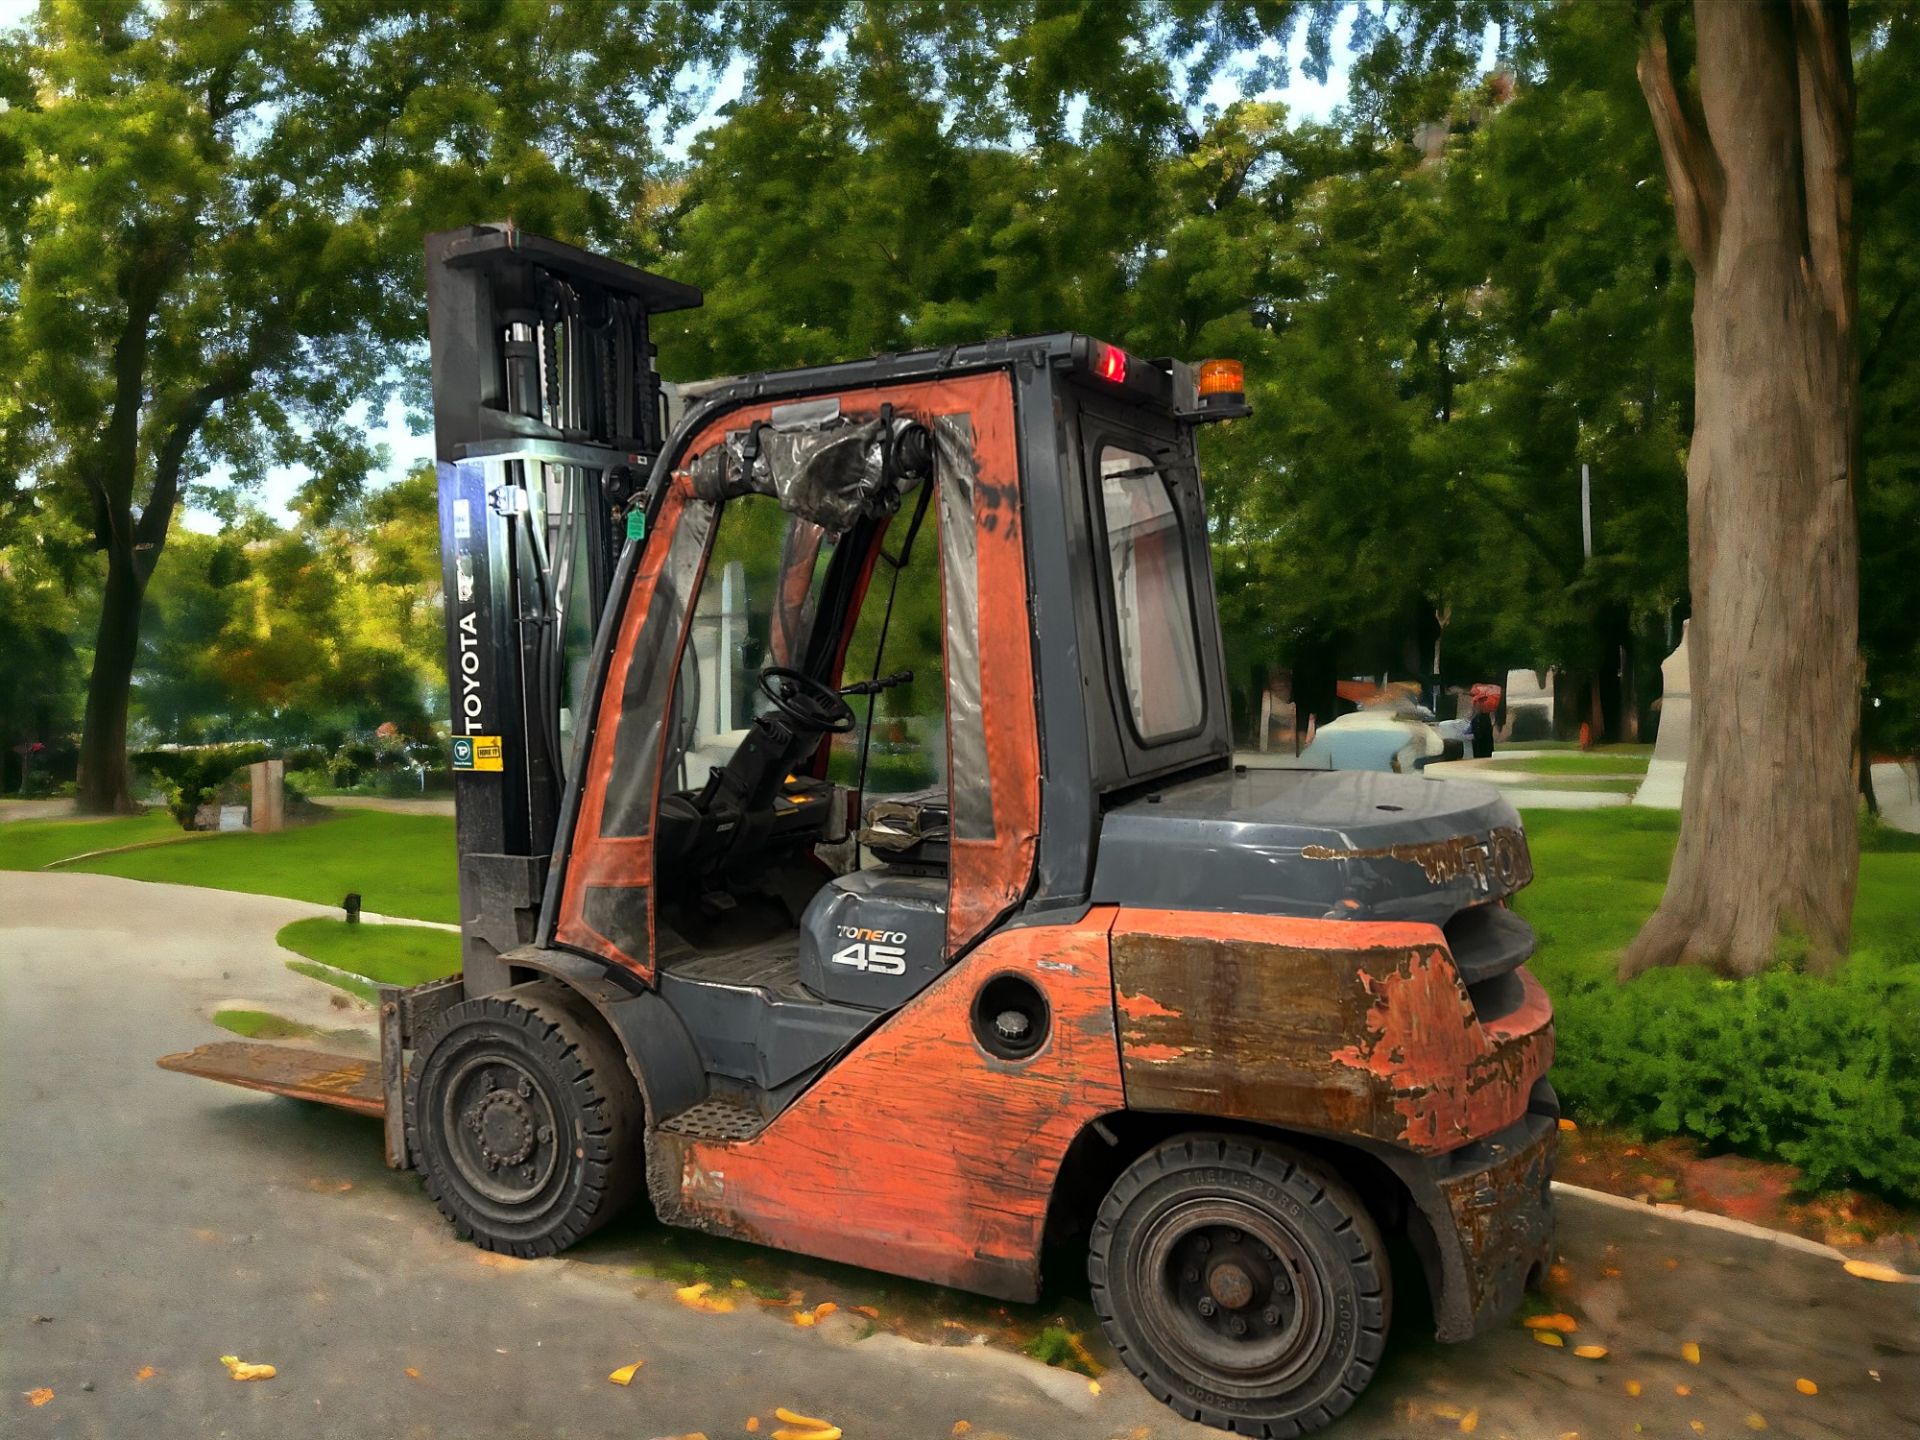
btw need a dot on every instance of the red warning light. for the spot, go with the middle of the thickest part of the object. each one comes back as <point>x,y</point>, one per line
<point>1110,363</point>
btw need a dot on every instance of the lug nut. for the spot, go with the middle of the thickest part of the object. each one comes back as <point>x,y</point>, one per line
<point>1233,1237</point>
<point>1238,1325</point>
<point>1203,1245</point>
<point>1191,1275</point>
<point>1271,1315</point>
<point>1207,1307</point>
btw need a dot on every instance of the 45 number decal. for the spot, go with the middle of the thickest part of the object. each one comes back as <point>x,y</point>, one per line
<point>881,952</point>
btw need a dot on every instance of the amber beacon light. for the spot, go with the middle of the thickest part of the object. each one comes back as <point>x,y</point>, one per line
<point>1221,377</point>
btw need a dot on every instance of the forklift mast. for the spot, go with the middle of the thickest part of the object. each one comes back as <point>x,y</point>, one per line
<point>548,414</point>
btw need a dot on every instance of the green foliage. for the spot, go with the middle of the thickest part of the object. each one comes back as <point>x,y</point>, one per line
<point>1821,1072</point>
<point>192,776</point>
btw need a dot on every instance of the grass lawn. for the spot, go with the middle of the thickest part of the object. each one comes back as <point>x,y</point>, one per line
<point>1573,747</point>
<point>400,864</point>
<point>358,957</point>
<point>1605,763</point>
<point>31,844</point>
<point>1598,784</point>
<point>262,1025</point>
<point>1817,1071</point>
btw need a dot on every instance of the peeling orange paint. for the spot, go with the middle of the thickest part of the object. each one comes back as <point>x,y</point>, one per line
<point>1145,1007</point>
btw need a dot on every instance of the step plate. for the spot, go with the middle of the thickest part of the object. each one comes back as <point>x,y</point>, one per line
<point>342,1080</point>
<point>717,1120</point>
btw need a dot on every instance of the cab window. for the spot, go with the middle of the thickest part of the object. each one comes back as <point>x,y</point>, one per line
<point>1152,596</point>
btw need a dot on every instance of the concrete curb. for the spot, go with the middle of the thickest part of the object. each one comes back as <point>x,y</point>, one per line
<point>1708,1220</point>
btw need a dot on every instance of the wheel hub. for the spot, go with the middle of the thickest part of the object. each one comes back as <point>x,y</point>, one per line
<point>1234,1296</point>
<point>1230,1285</point>
<point>503,1125</point>
<point>500,1123</point>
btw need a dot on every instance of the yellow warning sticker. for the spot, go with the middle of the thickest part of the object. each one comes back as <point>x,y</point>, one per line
<point>478,752</point>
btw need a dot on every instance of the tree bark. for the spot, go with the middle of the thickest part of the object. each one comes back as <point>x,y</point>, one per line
<point>103,782</point>
<point>1761,180</point>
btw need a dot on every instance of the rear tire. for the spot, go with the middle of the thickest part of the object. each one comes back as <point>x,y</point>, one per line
<point>1244,1284</point>
<point>524,1120</point>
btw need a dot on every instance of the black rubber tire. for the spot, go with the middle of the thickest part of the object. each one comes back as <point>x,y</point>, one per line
<point>1322,1236</point>
<point>577,1090</point>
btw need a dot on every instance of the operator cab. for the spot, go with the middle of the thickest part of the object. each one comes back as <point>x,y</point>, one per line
<point>830,675</point>
<point>800,847</point>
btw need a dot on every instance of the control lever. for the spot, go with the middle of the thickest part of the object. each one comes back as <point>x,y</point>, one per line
<point>874,687</point>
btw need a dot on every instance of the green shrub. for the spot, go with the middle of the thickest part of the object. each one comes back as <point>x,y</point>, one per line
<point>1823,1073</point>
<point>190,777</point>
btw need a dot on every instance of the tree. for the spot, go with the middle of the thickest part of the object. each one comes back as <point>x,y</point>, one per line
<point>216,217</point>
<point>1760,165</point>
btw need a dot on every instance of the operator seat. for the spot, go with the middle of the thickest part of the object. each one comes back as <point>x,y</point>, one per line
<point>911,829</point>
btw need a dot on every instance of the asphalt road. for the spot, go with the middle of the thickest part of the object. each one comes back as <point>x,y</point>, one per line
<point>153,1223</point>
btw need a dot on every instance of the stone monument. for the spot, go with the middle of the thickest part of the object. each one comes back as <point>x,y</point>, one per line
<point>1667,771</point>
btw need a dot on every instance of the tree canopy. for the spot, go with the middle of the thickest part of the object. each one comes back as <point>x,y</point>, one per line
<point>1450,295</point>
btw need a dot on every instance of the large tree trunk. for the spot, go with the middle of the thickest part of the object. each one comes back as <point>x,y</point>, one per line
<point>1768,845</point>
<point>102,787</point>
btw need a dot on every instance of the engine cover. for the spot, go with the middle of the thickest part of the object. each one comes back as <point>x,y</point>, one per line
<point>874,938</point>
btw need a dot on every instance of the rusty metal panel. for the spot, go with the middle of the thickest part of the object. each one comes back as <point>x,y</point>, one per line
<point>343,1080</point>
<point>1340,1027</point>
<point>920,1153</point>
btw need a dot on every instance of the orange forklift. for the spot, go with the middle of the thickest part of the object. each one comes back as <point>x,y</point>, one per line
<point>853,859</point>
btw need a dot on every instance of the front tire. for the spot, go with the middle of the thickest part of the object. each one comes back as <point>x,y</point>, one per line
<point>1245,1285</point>
<point>524,1121</point>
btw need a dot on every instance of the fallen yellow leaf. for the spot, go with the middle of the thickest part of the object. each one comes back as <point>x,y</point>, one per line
<point>624,1375</point>
<point>738,1284</point>
<point>1633,1388</point>
<point>1549,1337</point>
<point>1683,1391</point>
<point>961,1427</point>
<point>38,1397</point>
<point>1699,1426</point>
<point>145,1372</point>
<point>1611,1272</point>
<point>832,1432</point>
<point>1806,1386</point>
<point>498,1262</point>
<point>1565,1324</point>
<point>695,1297</point>
<point>824,1309</point>
<point>1469,1422</point>
<point>412,1374</point>
<point>866,1310</point>
<point>805,1422</point>
<point>1093,1387</point>
<point>1559,1274</point>
<point>1566,1124</point>
<point>753,1423</point>
<point>1092,1366</point>
<point>1591,1352</point>
<point>804,1317</point>
<point>1690,1352</point>
<point>1756,1421</point>
<point>1448,1412</point>
<point>239,1369</point>
<point>1873,1270</point>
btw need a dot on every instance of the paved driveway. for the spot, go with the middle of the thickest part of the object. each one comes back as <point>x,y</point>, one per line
<point>154,1220</point>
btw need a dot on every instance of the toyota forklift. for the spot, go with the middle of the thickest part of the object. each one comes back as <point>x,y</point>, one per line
<point>853,860</point>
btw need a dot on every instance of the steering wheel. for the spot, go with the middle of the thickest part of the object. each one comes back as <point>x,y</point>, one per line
<point>809,703</point>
